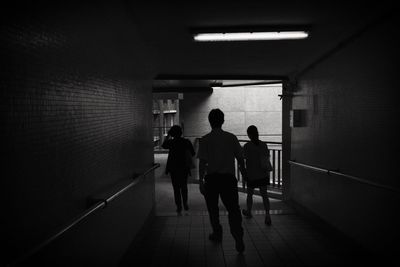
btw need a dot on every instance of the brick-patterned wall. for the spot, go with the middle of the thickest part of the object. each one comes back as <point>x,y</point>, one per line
<point>351,117</point>
<point>68,134</point>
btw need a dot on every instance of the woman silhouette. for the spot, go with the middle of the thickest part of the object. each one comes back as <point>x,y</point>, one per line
<point>256,154</point>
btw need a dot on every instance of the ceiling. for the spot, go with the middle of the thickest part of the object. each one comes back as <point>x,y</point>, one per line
<point>182,62</point>
<point>155,38</point>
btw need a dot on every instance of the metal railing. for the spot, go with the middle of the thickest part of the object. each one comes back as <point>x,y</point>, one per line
<point>99,204</point>
<point>335,172</point>
<point>275,150</point>
<point>276,178</point>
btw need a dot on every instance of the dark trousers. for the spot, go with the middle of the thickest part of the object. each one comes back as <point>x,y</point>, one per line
<point>179,183</point>
<point>224,186</point>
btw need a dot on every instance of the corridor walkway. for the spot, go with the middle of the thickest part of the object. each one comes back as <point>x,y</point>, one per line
<point>172,240</point>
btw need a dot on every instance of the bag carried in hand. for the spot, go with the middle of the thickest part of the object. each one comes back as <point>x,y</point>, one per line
<point>189,160</point>
<point>265,162</point>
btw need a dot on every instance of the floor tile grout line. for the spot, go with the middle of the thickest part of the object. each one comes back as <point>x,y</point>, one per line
<point>258,252</point>
<point>204,242</point>
<point>158,242</point>
<point>289,246</point>
<point>219,245</point>
<point>172,243</point>
<point>272,245</point>
<point>223,254</point>
<point>188,246</point>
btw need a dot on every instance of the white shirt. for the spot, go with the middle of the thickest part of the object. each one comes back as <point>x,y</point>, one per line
<point>219,150</point>
<point>252,155</point>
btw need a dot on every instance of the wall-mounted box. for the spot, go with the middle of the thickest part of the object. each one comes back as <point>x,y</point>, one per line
<point>298,118</point>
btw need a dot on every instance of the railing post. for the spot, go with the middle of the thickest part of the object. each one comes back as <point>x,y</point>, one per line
<point>273,167</point>
<point>279,169</point>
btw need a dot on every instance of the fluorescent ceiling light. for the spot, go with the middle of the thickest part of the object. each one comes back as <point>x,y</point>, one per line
<point>249,36</point>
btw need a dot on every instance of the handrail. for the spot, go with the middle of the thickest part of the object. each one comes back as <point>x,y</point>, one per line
<point>335,172</point>
<point>242,140</point>
<point>131,184</point>
<point>100,203</point>
<point>267,142</point>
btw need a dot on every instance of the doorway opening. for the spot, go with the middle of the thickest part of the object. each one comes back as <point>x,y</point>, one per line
<point>244,103</point>
<point>165,114</point>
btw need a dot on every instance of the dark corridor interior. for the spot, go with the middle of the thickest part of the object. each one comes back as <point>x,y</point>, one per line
<point>81,183</point>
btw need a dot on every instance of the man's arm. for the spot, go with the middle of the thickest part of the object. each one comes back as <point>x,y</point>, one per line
<point>167,142</point>
<point>202,169</point>
<point>202,156</point>
<point>202,174</point>
<point>242,168</point>
<point>239,155</point>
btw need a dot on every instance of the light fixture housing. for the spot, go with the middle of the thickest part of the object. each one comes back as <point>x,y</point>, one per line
<point>250,36</point>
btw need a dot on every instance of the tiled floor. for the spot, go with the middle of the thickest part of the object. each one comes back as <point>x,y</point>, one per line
<point>289,241</point>
<point>172,240</point>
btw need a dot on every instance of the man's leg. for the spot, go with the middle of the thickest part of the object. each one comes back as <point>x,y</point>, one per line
<point>230,198</point>
<point>211,195</point>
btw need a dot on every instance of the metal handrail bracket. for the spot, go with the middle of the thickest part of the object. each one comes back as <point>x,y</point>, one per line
<point>137,180</point>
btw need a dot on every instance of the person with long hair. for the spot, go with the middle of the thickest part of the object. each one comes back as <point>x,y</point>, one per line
<point>256,154</point>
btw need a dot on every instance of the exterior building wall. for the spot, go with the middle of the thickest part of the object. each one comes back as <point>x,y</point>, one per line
<point>242,106</point>
<point>165,115</point>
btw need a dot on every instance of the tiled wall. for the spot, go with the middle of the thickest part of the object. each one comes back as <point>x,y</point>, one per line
<point>351,105</point>
<point>69,134</point>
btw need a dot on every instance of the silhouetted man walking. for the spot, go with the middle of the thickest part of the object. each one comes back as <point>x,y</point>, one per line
<point>217,152</point>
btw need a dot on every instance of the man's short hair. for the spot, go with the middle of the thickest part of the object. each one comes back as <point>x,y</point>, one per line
<point>216,118</point>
